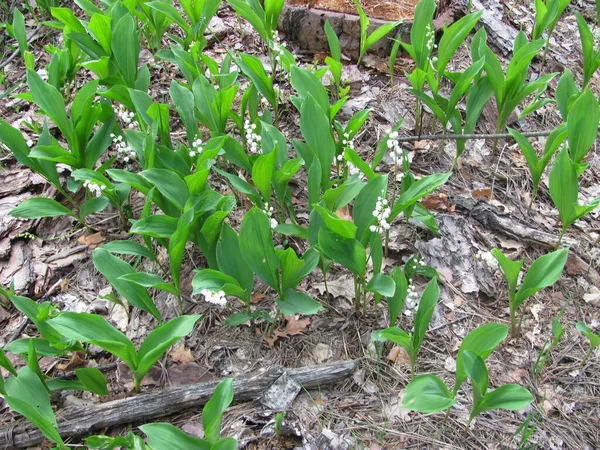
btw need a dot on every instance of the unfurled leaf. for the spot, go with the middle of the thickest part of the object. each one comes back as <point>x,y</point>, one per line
<point>427,394</point>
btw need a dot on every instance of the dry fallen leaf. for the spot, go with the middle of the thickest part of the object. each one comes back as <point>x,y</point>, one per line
<point>181,354</point>
<point>436,202</point>
<point>482,194</point>
<point>293,327</point>
<point>91,240</point>
<point>344,213</point>
<point>77,360</point>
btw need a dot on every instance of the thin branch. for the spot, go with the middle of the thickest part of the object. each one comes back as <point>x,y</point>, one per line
<point>438,137</point>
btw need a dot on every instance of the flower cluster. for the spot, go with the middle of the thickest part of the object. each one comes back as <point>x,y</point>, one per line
<point>278,46</point>
<point>252,139</point>
<point>196,147</point>
<point>347,143</point>
<point>94,187</point>
<point>394,146</point>
<point>412,300</point>
<point>430,36</point>
<point>382,212</point>
<point>268,210</point>
<point>123,149</point>
<point>488,258</point>
<point>215,297</point>
<point>418,262</point>
<point>125,116</point>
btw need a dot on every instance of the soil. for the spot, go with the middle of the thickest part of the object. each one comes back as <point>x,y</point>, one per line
<point>363,412</point>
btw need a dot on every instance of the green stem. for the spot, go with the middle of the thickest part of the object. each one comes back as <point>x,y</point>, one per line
<point>364,292</point>
<point>562,233</point>
<point>272,327</point>
<point>326,287</point>
<point>587,355</point>
<point>356,294</point>
<point>513,322</point>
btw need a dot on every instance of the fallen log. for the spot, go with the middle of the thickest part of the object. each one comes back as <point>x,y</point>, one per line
<point>81,420</point>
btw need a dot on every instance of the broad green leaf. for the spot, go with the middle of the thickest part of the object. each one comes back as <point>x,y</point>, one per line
<point>42,347</point>
<point>344,228</point>
<point>379,34</point>
<point>333,41</point>
<point>427,394</point>
<point>565,92</point>
<point>427,304</point>
<point>256,245</point>
<point>365,202</point>
<point>510,268</point>
<point>509,396</point>
<point>227,245</point>
<point>158,226</point>
<point>582,123</point>
<point>34,208</point>
<point>164,435</point>
<point>127,248</point>
<point>149,280</point>
<point>348,252</point>
<point>5,362</point>
<point>19,30</point>
<point>396,302</point>
<point>253,68</point>
<point>481,341</point>
<point>307,84</point>
<point>262,174</point>
<point>400,337</point>
<point>169,184</point>
<point>295,302</point>
<point>92,206</point>
<point>477,371</point>
<point>95,329</point>
<point>316,130</point>
<point>214,280</point>
<point>177,245</point>
<point>27,395</point>
<point>453,37</point>
<point>93,380</point>
<point>212,413</point>
<point>113,268</point>
<point>382,284</point>
<point>594,338</point>
<point>126,48</point>
<point>159,341</point>
<point>544,272</point>
<point>418,190</point>
<point>51,102</point>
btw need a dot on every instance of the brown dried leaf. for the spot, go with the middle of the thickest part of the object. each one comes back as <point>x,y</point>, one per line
<point>482,194</point>
<point>393,354</point>
<point>436,202</point>
<point>77,360</point>
<point>293,327</point>
<point>91,240</point>
<point>344,213</point>
<point>181,354</point>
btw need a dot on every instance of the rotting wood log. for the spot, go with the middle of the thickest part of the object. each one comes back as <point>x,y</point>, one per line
<point>84,419</point>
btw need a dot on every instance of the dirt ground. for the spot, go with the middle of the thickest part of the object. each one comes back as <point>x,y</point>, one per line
<point>363,411</point>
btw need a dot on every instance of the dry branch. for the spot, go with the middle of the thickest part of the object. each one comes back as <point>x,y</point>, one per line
<point>82,420</point>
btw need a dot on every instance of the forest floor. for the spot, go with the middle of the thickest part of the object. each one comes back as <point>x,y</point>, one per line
<point>364,411</point>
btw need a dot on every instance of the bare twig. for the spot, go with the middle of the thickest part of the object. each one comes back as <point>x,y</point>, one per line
<point>439,137</point>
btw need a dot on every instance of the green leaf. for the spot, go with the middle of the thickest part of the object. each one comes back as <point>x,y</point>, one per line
<point>509,396</point>
<point>159,341</point>
<point>164,435</point>
<point>212,413</point>
<point>380,33</point>
<point>113,268</point>
<point>308,84</point>
<point>477,371</point>
<point>227,245</point>
<point>158,226</point>
<point>96,330</point>
<point>582,123</point>
<point>92,206</point>
<point>19,30</point>
<point>544,272</point>
<point>5,362</point>
<point>333,41</point>
<point>565,91</point>
<point>365,202</point>
<point>34,208</point>
<point>427,304</point>
<point>127,248</point>
<point>93,380</point>
<point>169,184</point>
<point>400,337</point>
<point>481,341</point>
<point>453,37</point>
<point>253,68</point>
<point>149,280</point>
<point>348,252</point>
<point>382,284</point>
<point>418,190</point>
<point>27,395</point>
<point>177,245</point>
<point>295,302</point>
<point>316,130</point>
<point>344,228</point>
<point>214,280</point>
<point>396,302</point>
<point>51,102</point>
<point>256,245</point>
<point>510,268</point>
<point>126,49</point>
<point>262,174</point>
<point>427,394</point>
<point>594,338</point>
<point>42,347</point>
